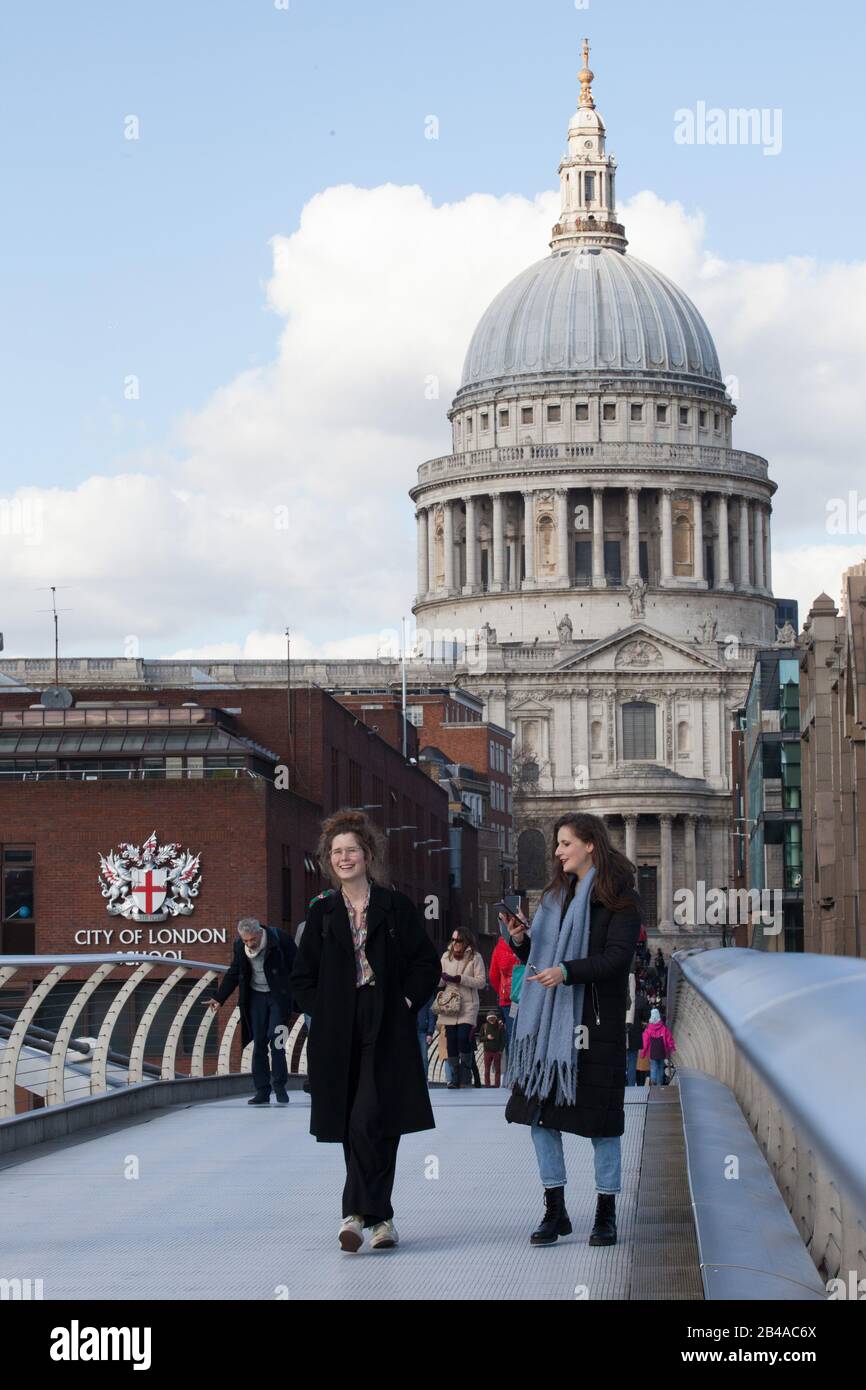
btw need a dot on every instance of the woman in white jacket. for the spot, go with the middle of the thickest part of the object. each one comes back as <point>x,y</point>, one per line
<point>464,967</point>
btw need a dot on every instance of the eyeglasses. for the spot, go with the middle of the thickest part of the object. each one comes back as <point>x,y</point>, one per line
<point>457,941</point>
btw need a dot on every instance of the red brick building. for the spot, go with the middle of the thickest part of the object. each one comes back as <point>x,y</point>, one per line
<point>226,774</point>
<point>471,758</point>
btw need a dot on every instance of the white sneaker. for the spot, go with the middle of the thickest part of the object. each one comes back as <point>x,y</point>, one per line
<point>352,1233</point>
<point>384,1236</point>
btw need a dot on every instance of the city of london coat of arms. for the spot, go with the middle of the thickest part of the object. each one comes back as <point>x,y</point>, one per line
<point>149,884</point>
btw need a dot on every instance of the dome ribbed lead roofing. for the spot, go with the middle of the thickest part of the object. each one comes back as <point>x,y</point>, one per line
<point>590,310</point>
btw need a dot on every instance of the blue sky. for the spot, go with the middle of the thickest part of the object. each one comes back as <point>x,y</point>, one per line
<point>153,258</point>
<point>149,256</point>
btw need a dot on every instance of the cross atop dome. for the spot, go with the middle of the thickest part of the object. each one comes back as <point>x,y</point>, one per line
<point>587,175</point>
<point>585,78</point>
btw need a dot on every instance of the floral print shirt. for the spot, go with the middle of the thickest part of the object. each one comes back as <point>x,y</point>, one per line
<point>358,926</point>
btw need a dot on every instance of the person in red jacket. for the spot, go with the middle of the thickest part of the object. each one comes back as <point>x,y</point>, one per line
<point>502,963</point>
<point>658,1044</point>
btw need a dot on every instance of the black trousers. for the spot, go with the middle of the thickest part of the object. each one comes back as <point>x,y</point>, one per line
<point>265,1019</point>
<point>371,1156</point>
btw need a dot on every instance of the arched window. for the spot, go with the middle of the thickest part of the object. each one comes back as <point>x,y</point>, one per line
<point>529,738</point>
<point>683,740</point>
<point>531,860</point>
<point>596,736</point>
<point>439,555</point>
<point>638,730</point>
<point>683,545</point>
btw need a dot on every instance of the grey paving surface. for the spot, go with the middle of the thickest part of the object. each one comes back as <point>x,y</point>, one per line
<point>239,1202</point>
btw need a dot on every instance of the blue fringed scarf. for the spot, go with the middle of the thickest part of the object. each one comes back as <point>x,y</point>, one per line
<point>544,1055</point>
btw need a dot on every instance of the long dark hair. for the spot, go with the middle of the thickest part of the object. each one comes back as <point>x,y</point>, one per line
<point>468,940</point>
<point>614,874</point>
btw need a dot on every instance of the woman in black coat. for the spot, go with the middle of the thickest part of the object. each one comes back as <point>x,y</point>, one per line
<point>364,968</point>
<point>581,844</point>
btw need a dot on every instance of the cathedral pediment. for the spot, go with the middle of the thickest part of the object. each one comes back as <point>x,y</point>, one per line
<point>530,705</point>
<point>638,648</point>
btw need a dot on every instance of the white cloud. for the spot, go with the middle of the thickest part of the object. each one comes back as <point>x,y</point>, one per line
<point>284,500</point>
<point>805,571</point>
<point>271,646</point>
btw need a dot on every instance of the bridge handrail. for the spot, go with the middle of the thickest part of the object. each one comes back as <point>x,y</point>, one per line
<point>27,1064</point>
<point>798,1021</point>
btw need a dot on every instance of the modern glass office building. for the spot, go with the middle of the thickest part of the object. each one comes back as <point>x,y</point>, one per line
<point>772,811</point>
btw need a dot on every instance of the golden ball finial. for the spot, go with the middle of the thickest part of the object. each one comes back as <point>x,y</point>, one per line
<point>585,77</point>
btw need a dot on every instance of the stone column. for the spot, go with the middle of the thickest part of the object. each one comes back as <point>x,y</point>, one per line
<point>423,582</point>
<point>667,538</point>
<point>691,874</point>
<point>768,564</point>
<point>633,534</point>
<point>471,547</point>
<point>529,539</point>
<point>448,541</point>
<point>720,853</point>
<point>759,546</point>
<point>666,873</point>
<point>698,512</point>
<point>724,575</point>
<point>711,865</point>
<point>431,549</point>
<point>564,779</point>
<point>562,537</point>
<point>598,579</point>
<point>631,838</point>
<point>498,579</point>
<point>702,851</point>
<point>745,582</point>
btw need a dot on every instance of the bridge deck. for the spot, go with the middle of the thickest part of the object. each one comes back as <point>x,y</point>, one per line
<point>238,1202</point>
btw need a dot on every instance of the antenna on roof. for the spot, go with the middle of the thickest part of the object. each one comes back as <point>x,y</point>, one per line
<point>55,610</point>
<point>289,711</point>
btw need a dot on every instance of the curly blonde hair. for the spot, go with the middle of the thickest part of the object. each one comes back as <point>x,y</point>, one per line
<point>369,837</point>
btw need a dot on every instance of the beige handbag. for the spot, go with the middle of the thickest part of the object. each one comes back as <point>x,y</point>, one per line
<point>447,1002</point>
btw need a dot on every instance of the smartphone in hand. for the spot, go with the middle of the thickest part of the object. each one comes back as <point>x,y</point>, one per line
<point>509,906</point>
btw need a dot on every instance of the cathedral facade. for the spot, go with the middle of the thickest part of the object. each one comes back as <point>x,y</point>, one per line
<point>598,550</point>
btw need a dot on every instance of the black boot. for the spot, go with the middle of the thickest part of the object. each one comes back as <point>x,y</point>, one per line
<point>555,1221</point>
<point>604,1230</point>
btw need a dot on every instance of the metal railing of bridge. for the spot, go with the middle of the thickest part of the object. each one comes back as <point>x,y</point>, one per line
<point>47,1048</point>
<point>787,1034</point>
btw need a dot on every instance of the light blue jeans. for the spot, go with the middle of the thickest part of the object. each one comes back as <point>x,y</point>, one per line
<point>657,1071</point>
<point>551,1162</point>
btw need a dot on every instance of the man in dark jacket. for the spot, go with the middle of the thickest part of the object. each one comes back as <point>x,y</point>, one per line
<point>261,972</point>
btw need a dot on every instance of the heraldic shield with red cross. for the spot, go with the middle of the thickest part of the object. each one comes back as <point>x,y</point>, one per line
<point>151,883</point>
<point>149,888</point>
